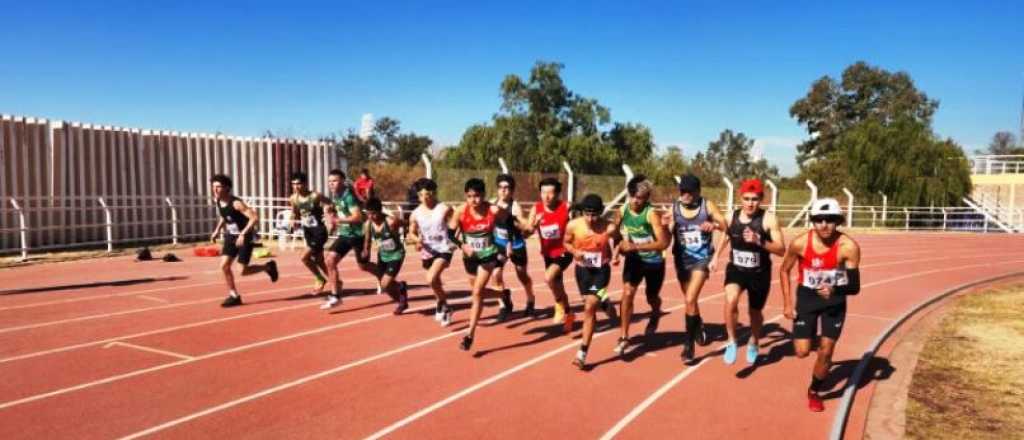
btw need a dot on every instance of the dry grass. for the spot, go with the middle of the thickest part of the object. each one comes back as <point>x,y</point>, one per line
<point>969,381</point>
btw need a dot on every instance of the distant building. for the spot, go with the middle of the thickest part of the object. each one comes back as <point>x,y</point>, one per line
<point>366,128</point>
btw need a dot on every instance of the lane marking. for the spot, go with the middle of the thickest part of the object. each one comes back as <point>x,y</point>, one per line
<point>149,349</point>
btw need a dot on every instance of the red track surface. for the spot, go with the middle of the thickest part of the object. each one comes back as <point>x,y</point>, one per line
<point>157,356</point>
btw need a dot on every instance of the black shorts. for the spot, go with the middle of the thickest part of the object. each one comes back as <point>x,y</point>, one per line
<point>518,257</point>
<point>563,262</point>
<point>241,254</point>
<point>391,268</point>
<point>342,245</point>
<point>591,280</point>
<point>315,238</point>
<point>636,270</point>
<point>428,262</point>
<point>832,317</point>
<point>757,284</point>
<point>685,269</point>
<point>472,263</point>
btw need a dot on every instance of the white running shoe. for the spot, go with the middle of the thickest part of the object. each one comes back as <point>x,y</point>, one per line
<point>332,301</point>
<point>380,289</point>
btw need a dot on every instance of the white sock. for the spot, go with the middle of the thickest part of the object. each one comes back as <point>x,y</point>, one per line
<point>233,293</point>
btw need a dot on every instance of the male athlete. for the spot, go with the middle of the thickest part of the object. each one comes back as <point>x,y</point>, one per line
<point>348,225</point>
<point>548,219</point>
<point>383,230</point>
<point>693,220</point>
<point>238,222</point>
<point>645,238</point>
<point>754,234</point>
<point>428,231</point>
<point>829,272</point>
<point>510,240</point>
<point>308,213</point>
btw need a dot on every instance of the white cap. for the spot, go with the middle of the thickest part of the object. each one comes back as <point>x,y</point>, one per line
<point>826,207</point>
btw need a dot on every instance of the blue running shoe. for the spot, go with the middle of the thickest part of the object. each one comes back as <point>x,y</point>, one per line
<point>730,354</point>
<point>751,353</point>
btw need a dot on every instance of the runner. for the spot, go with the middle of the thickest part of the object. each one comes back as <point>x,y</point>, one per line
<point>692,222</point>
<point>348,224</point>
<point>238,222</point>
<point>383,230</point>
<point>475,221</point>
<point>646,238</point>
<point>829,272</point>
<point>308,213</point>
<point>428,231</point>
<point>510,241</point>
<point>549,217</point>
<point>363,186</point>
<point>754,235</point>
<point>588,239</point>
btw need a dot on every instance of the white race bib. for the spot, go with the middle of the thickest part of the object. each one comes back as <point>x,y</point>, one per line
<point>814,278</point>
<point>435,238</point>
<point>593,259</point>
<point>694,239</point>
<point>550,232</point>
<point>232,228</point>
<point>477,243</point>
<point>746,259</point>
<point>641,240</point>
<point>388,245</point>
<point>501,233</point>
<point>310,221</point>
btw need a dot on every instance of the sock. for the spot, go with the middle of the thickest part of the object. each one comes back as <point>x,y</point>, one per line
<point>815,384</point>
<point>233,293</point>
<point>320,279</point>
<point>691,325</point>
<point>584,348</point>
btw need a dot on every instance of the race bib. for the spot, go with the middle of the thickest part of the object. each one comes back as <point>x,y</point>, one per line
<point>550,232</point>
<point>388,245</point>
<point>435,238</point>
<point>232,228</point>
<point>502,234</point>
<point>593,259</point>
<point>641,240</point>
<point>694,239</point>
<point>477,243</point>
<point>746,259</point>
<point>814,278</point>
<point>310,221</point>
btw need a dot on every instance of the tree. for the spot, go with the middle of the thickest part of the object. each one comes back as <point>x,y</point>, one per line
<point>1003,143</point>
<point>662,168</point>
<point>730,156</point>
<point>409,147</point>
<point>385,143</point>
<point>866,92</point>
<point>541,123</point>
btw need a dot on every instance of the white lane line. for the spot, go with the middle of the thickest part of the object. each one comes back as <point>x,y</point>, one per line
<point>160,300</point>
<point>149,349</point>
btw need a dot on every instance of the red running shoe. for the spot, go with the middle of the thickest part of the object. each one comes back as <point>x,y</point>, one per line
<point>814,402</point>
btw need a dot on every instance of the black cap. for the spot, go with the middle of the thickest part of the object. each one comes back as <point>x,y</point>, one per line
<point>689,183</point>
<point>591,203</point>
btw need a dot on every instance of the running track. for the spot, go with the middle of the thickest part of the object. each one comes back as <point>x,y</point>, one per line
<point>155,356</point>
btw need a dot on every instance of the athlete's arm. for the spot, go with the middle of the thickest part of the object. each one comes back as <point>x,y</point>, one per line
<point>568,239</point>
<point>723,241</point>
<point>662,239</point>
<point>216,230</point>
<point>777,244</point>
<point>531,223</point>
<point>453,226</point>
<point>788,261</point>
<point>368,239</point>
<point>849,254</point>
<point>716,216</point>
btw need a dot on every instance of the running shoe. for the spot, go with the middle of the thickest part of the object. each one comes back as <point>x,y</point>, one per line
<point>814,402</point>
<point>446,316</point>
<point>702,335</point>
<point>272,270</point>
<point>751,353</point>
<point>580,361</point>
<point>652,324</point>
<point>688,352</point>
<point>506,305</point>
<point>529,310</point>
<point>403,302</point>
<point>730,354</point>
<point>232,301</point>
<point>332,301</point>
<point>559,315</point>
<point>570,319</point>
<point>438,312</point>
<point>380,289</point>
<point>467,343</point>
<point>620,348</point>
<point>318,286</point>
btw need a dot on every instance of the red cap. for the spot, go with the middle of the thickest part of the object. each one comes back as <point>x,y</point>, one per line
<point>752,186</point>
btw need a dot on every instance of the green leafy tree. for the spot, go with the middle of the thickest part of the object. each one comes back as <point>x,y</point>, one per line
<point>865,92</point>
<point>730,156</point>
<point>1003,142</point>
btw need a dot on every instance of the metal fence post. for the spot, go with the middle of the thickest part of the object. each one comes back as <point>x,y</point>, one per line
<point>814,197</point>
<point>174,220</point>
<point>775,194</point>
<point>572,181</point>
<point>729,198</point>
<point>110,225</point>
<point>428,165</point>
<point>906,214</point>
<point>503,165</point>
<point>21,228</point>
<point>873,217</point>
<point>885,206</point>
<point>944,217</point>
<point>849,207</point>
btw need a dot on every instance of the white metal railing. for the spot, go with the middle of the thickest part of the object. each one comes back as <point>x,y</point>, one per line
<point>997,164</point>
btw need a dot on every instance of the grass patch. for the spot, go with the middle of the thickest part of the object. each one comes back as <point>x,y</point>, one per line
<point>969,381</point>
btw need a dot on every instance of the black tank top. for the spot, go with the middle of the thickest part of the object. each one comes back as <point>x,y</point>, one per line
<point>747,257</point>
<point>234,220</point>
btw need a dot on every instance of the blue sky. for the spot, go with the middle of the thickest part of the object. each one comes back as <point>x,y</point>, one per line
<point>687,70</point>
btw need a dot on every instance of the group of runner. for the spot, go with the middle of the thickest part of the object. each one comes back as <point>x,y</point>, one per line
<point>491,234</point>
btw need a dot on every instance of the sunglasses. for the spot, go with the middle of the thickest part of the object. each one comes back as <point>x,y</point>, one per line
<point>832,220</point>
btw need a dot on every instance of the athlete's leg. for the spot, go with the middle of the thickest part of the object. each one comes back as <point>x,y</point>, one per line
<point>730,311</point>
